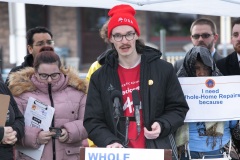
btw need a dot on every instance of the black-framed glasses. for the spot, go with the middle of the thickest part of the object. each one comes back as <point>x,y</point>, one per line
<point>129,36</point>
<point>45,76</point>
<point>42,43</point>
<point>204,36</point>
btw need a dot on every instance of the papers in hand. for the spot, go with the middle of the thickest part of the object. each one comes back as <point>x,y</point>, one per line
<point>38,115</point>
<point>4,99</point>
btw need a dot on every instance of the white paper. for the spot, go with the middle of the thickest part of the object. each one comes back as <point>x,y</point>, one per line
<point>37,115</point>
<point>222,92</point>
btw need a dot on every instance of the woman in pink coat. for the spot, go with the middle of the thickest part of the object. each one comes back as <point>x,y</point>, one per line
<point>60,88</point>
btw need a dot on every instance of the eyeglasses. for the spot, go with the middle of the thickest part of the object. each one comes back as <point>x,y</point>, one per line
<point>204,36</point>
<point>44,76</point>
<point>129,36</point>
<point>42,43</point>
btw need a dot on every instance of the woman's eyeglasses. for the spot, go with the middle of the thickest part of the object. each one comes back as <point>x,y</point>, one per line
<point>44,76</point>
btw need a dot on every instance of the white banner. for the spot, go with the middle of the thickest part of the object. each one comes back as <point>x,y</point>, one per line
<point>212,98</point>
<point>123,154</point>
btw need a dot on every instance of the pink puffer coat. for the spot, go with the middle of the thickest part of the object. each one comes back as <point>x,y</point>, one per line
<point>69,97</point>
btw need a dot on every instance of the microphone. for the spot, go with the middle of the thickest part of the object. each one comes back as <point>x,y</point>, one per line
<point>136,103</point>
<point>116,96</point>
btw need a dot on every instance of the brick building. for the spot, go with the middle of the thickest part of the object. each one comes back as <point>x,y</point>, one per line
<point>76,29</point>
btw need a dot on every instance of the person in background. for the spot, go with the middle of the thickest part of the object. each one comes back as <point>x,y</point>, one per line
<point>37,39</point>
<point>230,65</point>
<point>130,65</point>
<point>203,33</point>
<point>60,87</point>
<point>1,79</point>
<point>101,59</point>
<point>98,63</point>
<point>202,138</point>
<point>13,130</point>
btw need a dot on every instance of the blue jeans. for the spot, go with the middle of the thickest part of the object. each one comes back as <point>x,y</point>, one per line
<point>200,155</point>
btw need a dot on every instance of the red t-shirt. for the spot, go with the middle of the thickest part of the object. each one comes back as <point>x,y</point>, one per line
<point>130,80</point>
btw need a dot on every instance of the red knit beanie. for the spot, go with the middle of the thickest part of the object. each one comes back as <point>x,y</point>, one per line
<point>122,15</point>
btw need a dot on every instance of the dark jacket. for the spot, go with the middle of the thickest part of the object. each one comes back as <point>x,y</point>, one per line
<point>28,62</point>
<point>14,119</point>
<point>179,62</point>
<point>229,65</point>
<point>1,79</point>
<point>163,101</point>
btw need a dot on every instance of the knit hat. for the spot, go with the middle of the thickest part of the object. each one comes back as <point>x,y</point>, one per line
<point>122,15</point>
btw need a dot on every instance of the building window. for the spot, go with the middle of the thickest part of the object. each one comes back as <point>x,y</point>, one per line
<point>40,17</point>
<point>175,24</point>
<point>93,19</point>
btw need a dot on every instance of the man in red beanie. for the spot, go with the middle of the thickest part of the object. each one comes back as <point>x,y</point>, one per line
<point>133,82</point>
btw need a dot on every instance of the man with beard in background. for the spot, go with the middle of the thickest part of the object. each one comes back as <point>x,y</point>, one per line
<point>203,33</point>
<point>230,64</point>
<point>38,38</point>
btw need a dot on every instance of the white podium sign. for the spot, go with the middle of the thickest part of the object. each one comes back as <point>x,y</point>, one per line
<point>212,98</point>
<point>123,154</point>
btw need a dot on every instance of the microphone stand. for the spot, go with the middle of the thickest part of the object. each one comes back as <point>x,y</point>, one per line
<point>126,134</point>
<point>127,120</point>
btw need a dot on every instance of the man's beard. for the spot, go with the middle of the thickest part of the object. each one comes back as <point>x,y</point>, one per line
<point>237,47</point>
<point>209,47</point>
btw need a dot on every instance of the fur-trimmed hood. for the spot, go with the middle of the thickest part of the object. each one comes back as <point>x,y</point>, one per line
<point>20,81</point>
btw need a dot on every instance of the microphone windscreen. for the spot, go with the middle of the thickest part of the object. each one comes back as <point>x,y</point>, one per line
<point>116,93</point>
<point>135,97</point>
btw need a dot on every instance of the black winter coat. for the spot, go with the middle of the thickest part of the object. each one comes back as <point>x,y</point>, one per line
<point>229,65</point>
<point>28,62</point>
<point>163,101</point>
<point>14,119</point>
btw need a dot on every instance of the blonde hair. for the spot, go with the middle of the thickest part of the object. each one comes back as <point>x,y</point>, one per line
<point>104,32</point>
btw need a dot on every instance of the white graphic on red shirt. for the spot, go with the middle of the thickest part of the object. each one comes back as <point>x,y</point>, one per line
<point>128,104</point>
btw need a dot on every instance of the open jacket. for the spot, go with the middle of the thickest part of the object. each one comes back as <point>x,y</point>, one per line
<point>162,101</point>
<point>68,98</point>
<point>14,119</point>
